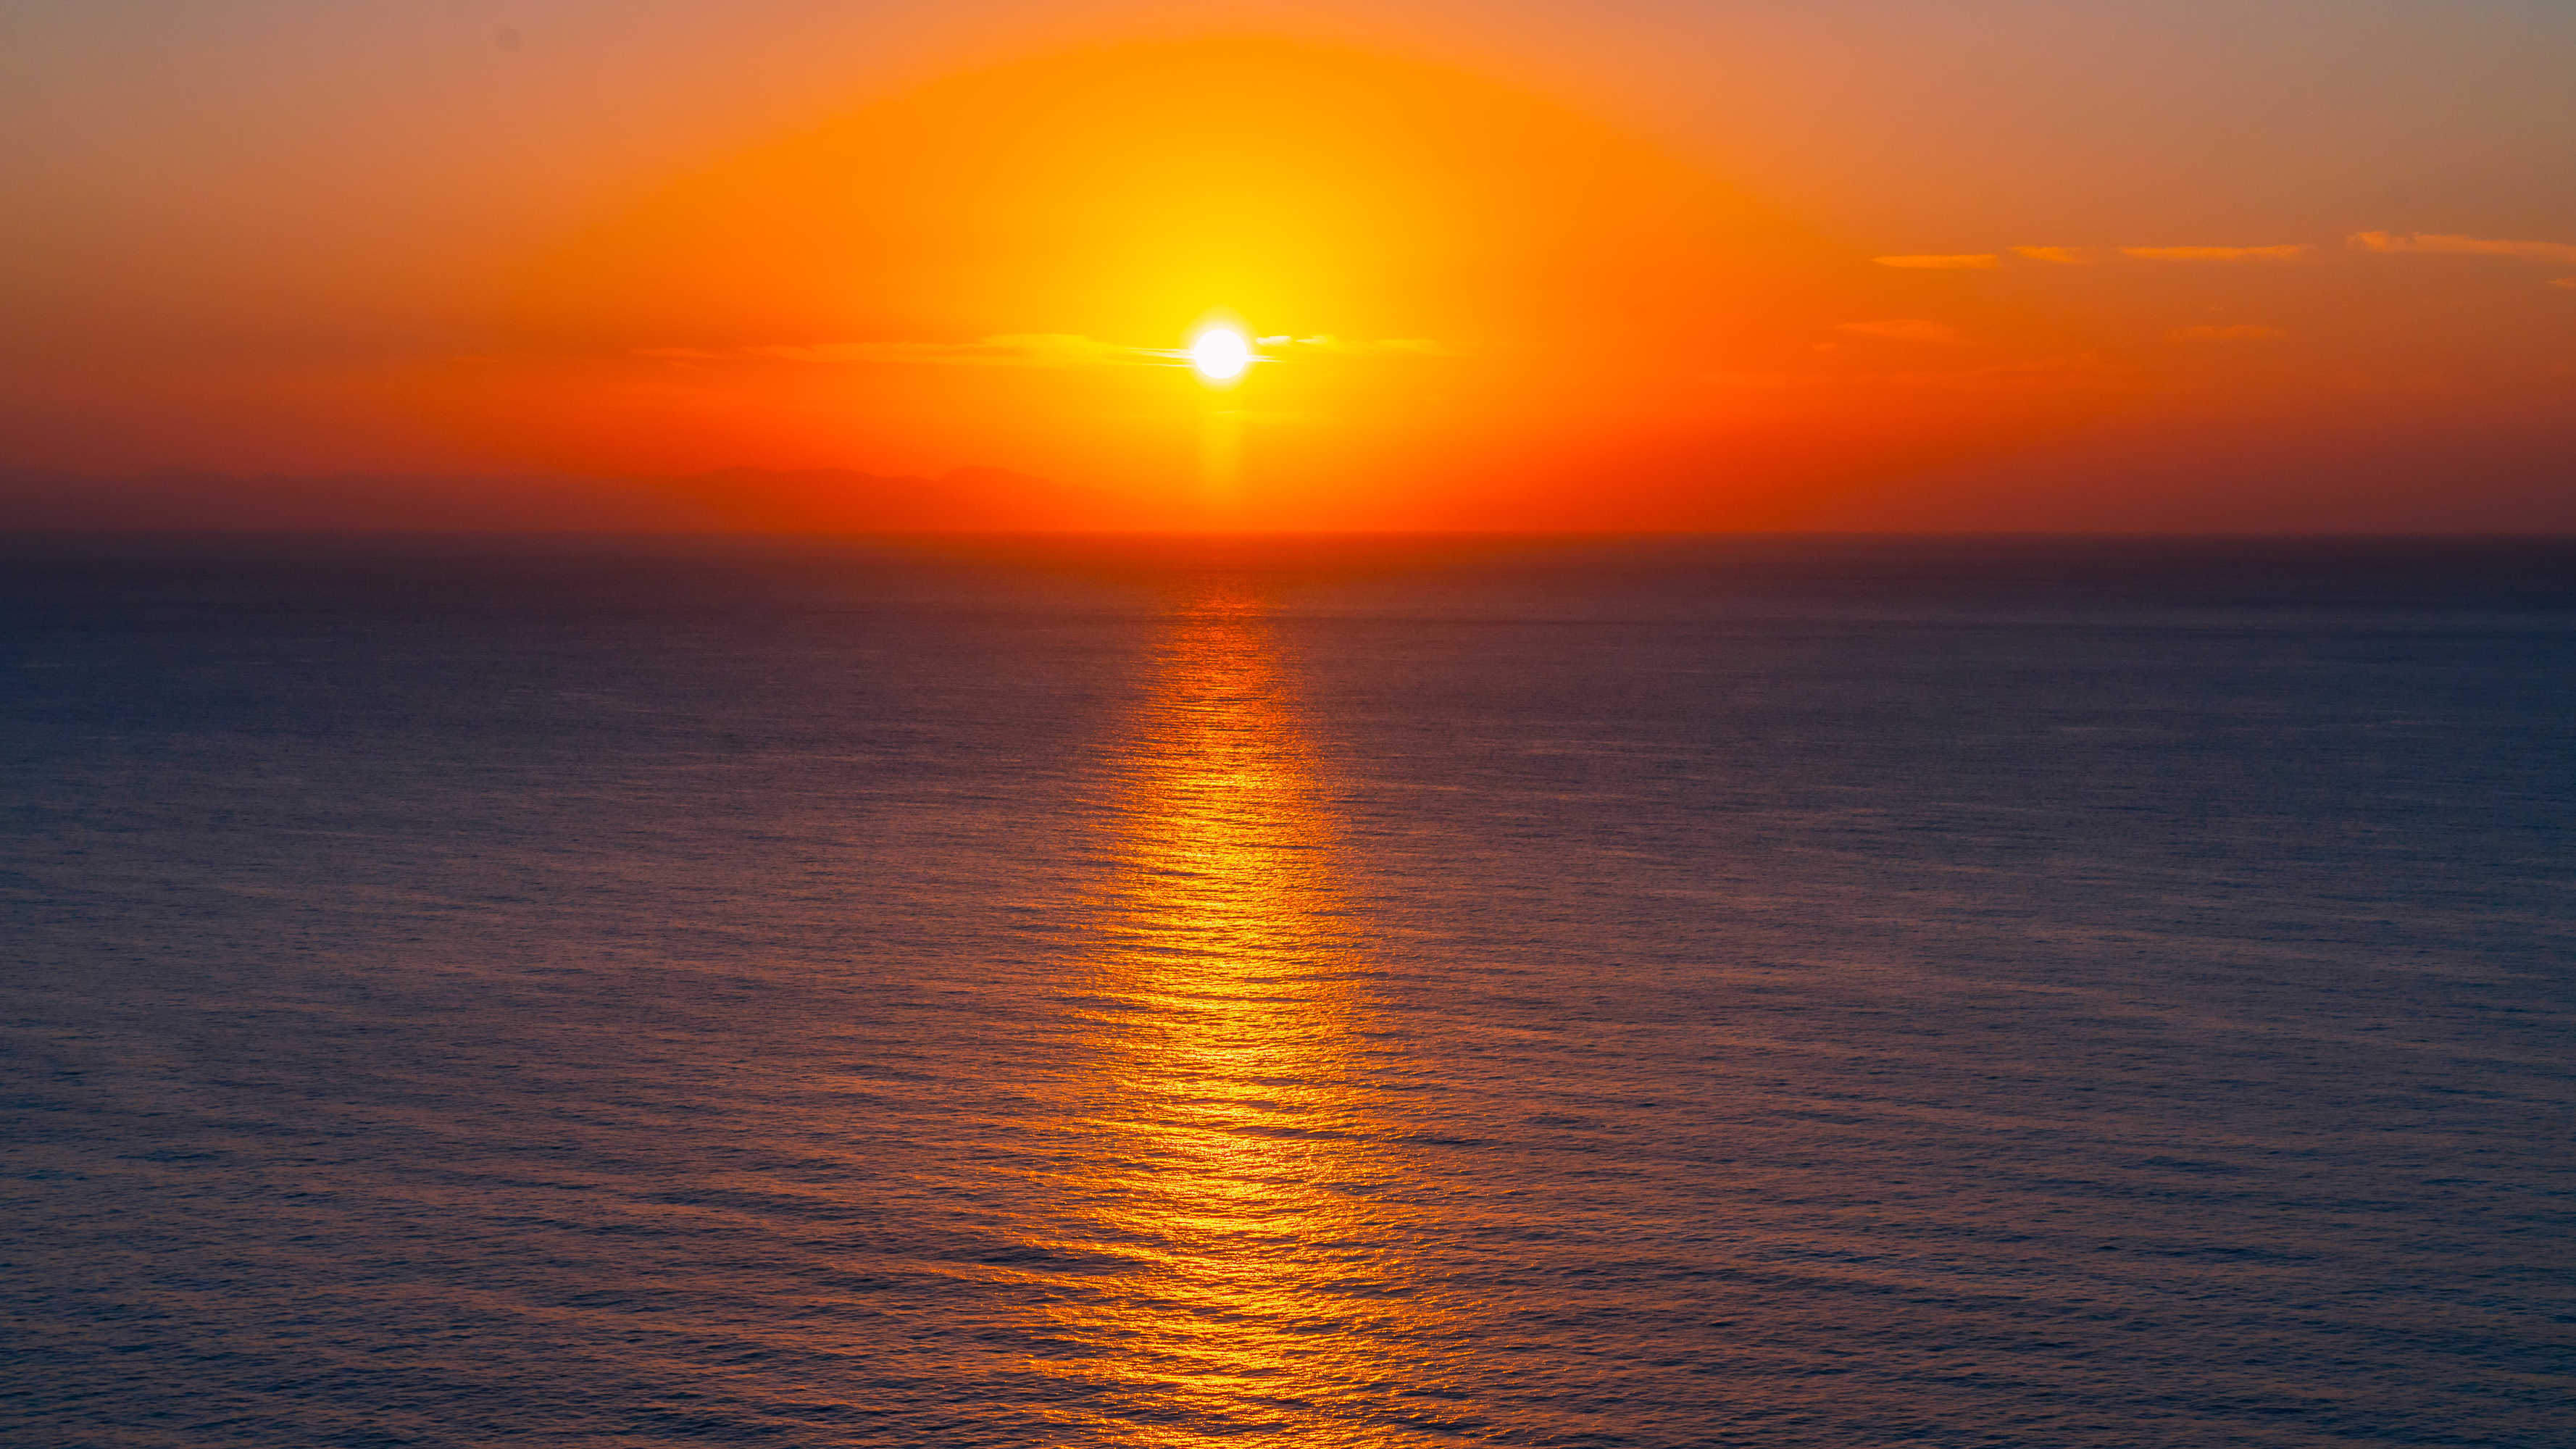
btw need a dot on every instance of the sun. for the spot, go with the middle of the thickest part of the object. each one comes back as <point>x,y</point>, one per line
<point>1220,354</point>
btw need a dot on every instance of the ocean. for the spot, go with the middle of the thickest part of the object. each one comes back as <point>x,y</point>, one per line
<point>1297,991</point>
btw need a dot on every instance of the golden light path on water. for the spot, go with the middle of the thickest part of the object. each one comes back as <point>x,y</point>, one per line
<point>1270,1299</point>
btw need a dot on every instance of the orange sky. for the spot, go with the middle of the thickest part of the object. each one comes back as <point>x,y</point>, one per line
<point>1976,266</point>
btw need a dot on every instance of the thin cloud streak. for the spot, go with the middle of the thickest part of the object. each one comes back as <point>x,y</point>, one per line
<point>1014,349</point>
<point>1347,347</point>
<point>2088,256</point>
<point>2474,246</point>
<point>1968,262</point>
<point>1903,329</point>
<point>1036,350</point>
<point>2077,373</point>
<point>2081,372</point>
<point>2286,253</point>
<point>2238,332</point>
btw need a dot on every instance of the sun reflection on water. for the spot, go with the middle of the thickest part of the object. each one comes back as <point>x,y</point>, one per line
<point>1243,1176</point>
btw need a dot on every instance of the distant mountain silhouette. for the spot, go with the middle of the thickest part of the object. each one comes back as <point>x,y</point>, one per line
<point>743,500</point>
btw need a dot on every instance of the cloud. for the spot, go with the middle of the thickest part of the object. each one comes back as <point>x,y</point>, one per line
<point>1347,347</point>
<point>2087,256</point>
<point>2568,282</point>
<point>2044,374</point>
<point>1975,261</point>
<point>2288,253</point>
<point>1903,329</point>
<point>1011,349</point>
<point>1036,349</point>
<point>1767,380</point>
<point>2240,332</point>
<point>2544,251</point>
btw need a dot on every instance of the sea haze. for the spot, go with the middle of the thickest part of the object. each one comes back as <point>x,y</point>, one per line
<point>1294,992</point>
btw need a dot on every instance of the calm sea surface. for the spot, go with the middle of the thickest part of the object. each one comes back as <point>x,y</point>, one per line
<point>1784,993</point>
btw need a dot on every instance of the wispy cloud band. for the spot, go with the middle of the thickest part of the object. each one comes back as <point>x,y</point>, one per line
<point>2476,246</point>
<point>2085,256</point>
<point>1037,349</point>
<point>1902,329</point>
<point>2286,253</point>
<point>1964,262</point>
<point>2078,373</point>
<point>2236,332</point>
<point>1013,349</point>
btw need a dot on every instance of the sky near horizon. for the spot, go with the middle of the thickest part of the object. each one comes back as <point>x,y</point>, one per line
<point>1989,264</point>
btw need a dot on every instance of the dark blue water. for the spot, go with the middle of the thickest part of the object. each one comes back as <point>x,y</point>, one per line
<point>1794,993</point>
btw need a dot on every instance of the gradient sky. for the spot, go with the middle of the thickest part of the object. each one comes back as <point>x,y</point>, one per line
<point>1980,264</point>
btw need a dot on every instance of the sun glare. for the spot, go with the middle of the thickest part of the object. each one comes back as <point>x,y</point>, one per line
<point>1220,354</point>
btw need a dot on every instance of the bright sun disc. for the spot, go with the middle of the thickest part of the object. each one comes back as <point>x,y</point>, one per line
<point>1220,354</point>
